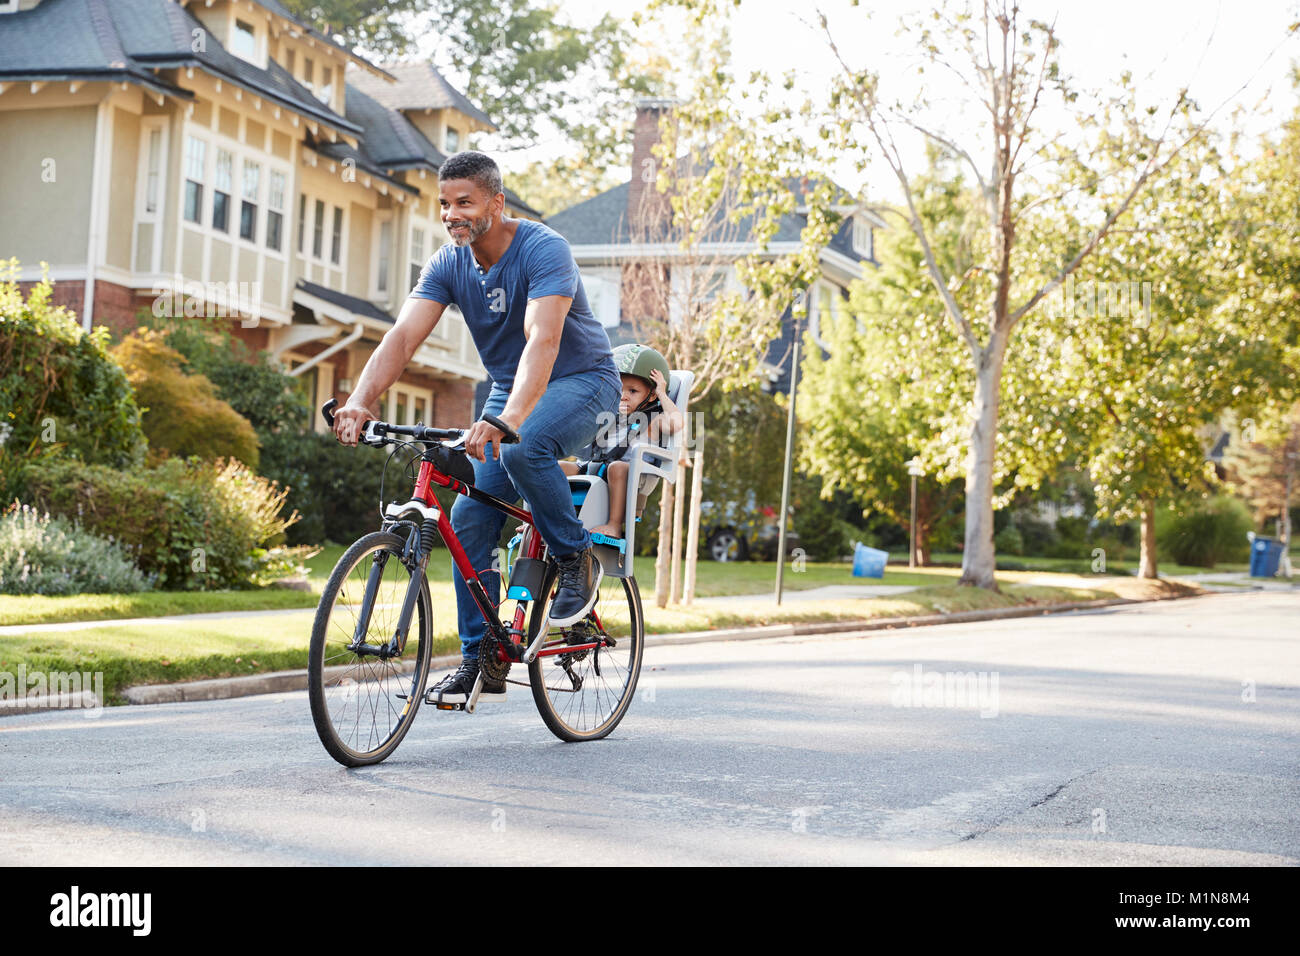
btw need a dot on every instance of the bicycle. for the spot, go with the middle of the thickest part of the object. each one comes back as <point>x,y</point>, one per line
<point>367,670</point>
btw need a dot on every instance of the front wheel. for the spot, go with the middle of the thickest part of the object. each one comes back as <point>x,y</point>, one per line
<point>363,703</point>
<point>582,695</point>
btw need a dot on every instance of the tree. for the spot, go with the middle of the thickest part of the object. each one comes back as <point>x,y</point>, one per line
<point>1262,464</point>
<point>1009,68</point>
<point>383,26</point>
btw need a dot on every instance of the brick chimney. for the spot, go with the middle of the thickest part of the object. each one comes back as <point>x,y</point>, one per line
<point>645,204</point>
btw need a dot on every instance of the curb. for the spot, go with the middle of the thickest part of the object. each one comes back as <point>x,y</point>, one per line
<point>278,682</point>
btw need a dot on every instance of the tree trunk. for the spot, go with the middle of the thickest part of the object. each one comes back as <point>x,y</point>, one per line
<point>1147,558</point>
<point>693,526</point>
<point>676,572</point>
<point>665,544</point>
<point>978,561</point>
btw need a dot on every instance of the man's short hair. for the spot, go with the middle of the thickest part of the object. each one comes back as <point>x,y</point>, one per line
<point>476,167</point>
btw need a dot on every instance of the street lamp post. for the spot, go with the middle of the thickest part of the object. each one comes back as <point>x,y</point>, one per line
<point>916,471</point>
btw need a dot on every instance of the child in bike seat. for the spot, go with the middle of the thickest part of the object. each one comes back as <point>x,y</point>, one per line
<point>645,415</point>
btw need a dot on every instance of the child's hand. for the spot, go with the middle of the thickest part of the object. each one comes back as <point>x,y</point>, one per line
<point>661,387</point>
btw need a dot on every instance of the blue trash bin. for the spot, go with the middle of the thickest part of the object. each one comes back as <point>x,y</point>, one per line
<point>1265,556</point>
<point>868,562</point>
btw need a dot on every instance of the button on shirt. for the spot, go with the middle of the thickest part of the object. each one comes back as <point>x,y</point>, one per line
<point>537,263</point>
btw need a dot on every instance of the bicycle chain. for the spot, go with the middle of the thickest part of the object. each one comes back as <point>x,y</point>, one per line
<point>489,661</point>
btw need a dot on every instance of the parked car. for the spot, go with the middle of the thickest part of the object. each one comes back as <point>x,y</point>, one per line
<point>738,533</point>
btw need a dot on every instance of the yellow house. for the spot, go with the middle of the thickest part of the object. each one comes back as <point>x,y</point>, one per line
<point>219,158</point>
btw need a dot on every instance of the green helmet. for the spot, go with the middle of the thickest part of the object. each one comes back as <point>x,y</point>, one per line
<point>638,360</point>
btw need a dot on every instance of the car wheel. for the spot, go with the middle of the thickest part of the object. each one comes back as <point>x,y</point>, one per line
<point>726,545</point>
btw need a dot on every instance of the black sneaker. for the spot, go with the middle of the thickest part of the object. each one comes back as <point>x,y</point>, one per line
<point>456,687</point>
<point>580,576</point>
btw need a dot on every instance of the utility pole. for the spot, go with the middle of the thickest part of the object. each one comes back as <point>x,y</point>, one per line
<point>789,455</point>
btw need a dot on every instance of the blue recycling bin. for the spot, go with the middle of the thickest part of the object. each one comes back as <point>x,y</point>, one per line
<point>868,562</point>
<point>1265,555</point>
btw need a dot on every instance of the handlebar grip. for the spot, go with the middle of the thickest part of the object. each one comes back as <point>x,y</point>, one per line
<point>328,411</point>
<point>508,435</point>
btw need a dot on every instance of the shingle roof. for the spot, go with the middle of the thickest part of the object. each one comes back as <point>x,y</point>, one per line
<point>280,10</point>
<point>602,220</point>
<point>344,301</point>
<point>420,87</point>
<point>129,39</point>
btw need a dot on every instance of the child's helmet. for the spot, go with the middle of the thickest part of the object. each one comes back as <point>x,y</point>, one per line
<point>638,360</point>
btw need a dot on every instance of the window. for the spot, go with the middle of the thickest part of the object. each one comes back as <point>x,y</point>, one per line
<point>326,92</point>
<point>196,153</point>
<point>385,254</point>
<point>248,208</point>
<point>243,42</point>
<point>318,240</point>
<point>221,190</point>
<point>153,172</point>
<point>452,140</point>
<point>336,241</point>
<point>275,211</point>
<point>308,72</point>
<point>417,255</point>
<point>302,220</point>
<point>290,61</point>
<point>862,240</point>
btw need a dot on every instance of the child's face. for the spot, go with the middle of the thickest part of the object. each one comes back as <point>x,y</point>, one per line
<point>635,391</point>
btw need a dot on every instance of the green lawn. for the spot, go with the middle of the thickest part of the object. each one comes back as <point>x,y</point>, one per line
<point>712,579</point>
<point>192,650</point>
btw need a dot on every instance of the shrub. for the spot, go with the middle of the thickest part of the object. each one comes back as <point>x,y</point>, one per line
<point>1207,534</point>
<point>59,387</point>
<point>182,413</point>
<point>44,555</point>
<point>255,387</point>
<point>196,525</point>
<point>1009,541</point>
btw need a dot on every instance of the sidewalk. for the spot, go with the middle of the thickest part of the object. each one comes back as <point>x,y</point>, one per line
<point>829,592</point>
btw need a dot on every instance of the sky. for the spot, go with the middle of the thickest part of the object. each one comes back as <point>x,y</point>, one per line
<point>1212,47</point>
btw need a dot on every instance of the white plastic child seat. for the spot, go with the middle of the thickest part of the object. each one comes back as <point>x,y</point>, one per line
<point>647,463</point>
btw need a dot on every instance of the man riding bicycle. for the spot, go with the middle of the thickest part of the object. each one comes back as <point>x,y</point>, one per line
<point>553,382</point>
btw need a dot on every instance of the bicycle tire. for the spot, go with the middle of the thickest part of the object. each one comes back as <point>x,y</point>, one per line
<point>579,714</point>
<point>336,676</point>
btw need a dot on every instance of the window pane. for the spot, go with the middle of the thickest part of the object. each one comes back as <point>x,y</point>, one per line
<point>308,72</point>
<point>274,225</point>
<point>196,152</point>
<point>385,253</point>
<point>248,221</point>
<point>326,92</point>
<point>401,410</point>
<point>275,194</point>
<point>419,411</point>
<point>224,171</point>
<point>336,247</point>
<point>221,211</point>
<point>193,201</point>
<point>302,219</point>
<point>155,159</point>
<point>453,139</point>
<point>244,41</point>
<point>252,180</point>
<point>318,240</point>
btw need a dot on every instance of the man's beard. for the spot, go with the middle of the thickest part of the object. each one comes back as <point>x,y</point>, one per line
<point>477,228</point>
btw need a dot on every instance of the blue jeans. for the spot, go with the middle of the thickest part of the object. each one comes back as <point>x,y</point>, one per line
<point>562,423</point>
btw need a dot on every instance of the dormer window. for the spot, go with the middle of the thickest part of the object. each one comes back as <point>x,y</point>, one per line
<point>326,92</point>
<point>862,239</point>
<point>243,41</point>
<point>452,140</point>
<point>308,73</point>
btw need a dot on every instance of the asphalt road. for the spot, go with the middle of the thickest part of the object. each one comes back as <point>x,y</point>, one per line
<point>1164,733</point>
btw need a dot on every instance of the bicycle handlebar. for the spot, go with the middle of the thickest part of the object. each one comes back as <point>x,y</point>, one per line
<point>373,431</point>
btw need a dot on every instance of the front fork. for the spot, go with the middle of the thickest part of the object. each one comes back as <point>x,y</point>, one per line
<point>397,643</point>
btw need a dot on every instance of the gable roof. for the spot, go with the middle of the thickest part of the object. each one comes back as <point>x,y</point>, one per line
<point>420,86</point>
<point>602,220</point>
<point>280,10</point>
<point>129,40</point>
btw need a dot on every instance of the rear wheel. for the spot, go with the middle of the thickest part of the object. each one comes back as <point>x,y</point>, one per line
<point>363,704</point>
<point>582,695</point>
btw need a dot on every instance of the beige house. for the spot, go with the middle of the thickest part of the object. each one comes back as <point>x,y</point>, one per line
<point>219,158</point>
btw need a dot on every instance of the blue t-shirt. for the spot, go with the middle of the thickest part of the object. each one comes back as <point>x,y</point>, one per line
<point>538,262</point>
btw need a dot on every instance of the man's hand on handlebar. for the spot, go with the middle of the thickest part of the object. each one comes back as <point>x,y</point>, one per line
<point>480,434</point>
<point>348,421</point>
